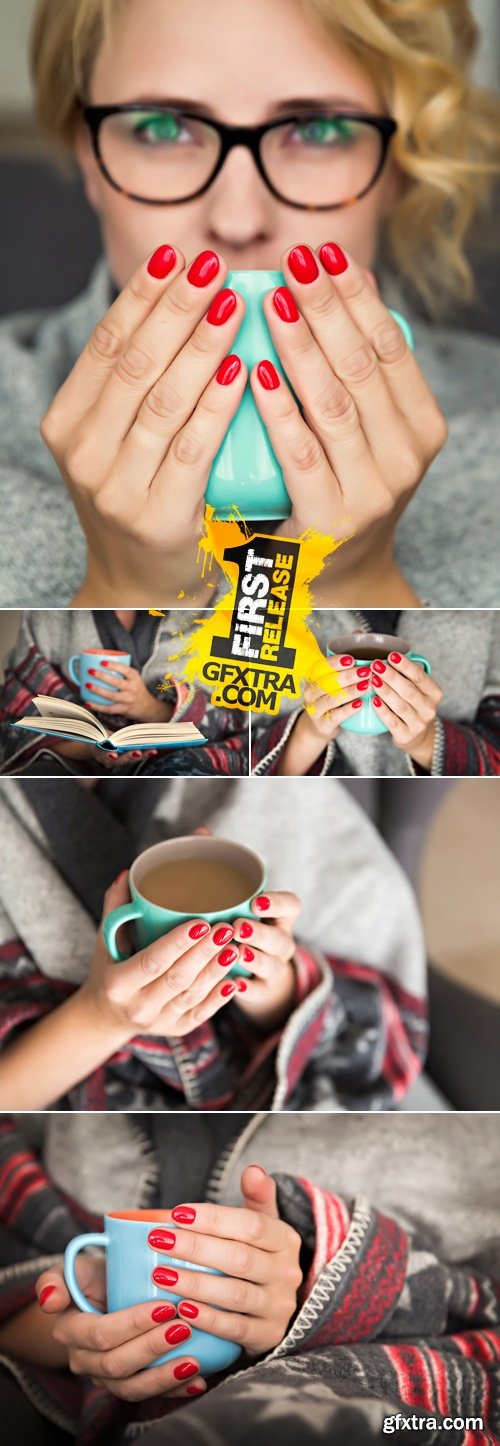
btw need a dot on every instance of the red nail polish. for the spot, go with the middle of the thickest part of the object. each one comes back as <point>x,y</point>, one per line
<point>185,1370</point>
<point>195,1391</point>
<point>222,307</point>
<point>284,305</point>
<point>361,687</point>
<point>228,371</point>
<point>93,672</point>
<point>248,956</point>
<point>189,1310</point>
<point>268,376</point>
<point>303,264</point>
<point>346,660</point>
<point>203,269</point>
<point>162,262</point>
<point>44,1294</point>
<point>228,989</point>
<point>164,1277</point>
<point>377,702</point>
<point>136,753</point>
<point>227,957</point>
<point>104,664</point>
<point>183,1215</point>
<point>358,703</point>
<point>262,903</point>
<point>379,667</point>
<point>395,657</point>
<point>161,1239</point>
<point>333,258</point>
<point>363,672</point>
<point>241,986</point>
<point>377,682</point>
<point>246,931</point>
<point>223,935</point>
<point>199,931</point>
<point>176,1334</point>
<point>162,1313</point>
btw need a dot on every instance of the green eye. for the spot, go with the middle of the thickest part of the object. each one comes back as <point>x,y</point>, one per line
<point>325,131</point>
<point>157,128</point>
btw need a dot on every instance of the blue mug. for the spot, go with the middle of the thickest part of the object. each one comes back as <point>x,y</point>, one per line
<point>130,1262</point>
<point>365,648</point>
<point>79,667</point>
<point>246,474</point>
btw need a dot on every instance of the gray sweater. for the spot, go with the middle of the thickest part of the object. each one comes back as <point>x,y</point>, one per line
<point>448,539</point>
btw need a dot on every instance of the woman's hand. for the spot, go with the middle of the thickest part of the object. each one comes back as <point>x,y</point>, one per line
<point>127,695</point>
<point>169,988</point>
<point>137,424</point>
<point>407,701</point>
<point>267,947</point>
<point>254,1299</point>
<point>370,427</point>
<point>115,1350</point>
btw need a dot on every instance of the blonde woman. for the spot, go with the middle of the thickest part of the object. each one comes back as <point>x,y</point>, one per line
<point>320,137</point>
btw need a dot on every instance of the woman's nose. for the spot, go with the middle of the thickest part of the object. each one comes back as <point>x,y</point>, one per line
<point>240,208</point>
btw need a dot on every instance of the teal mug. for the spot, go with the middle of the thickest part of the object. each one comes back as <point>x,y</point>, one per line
<point>81,664</point>
<point>365,648</point>
<point>130,1262</point>
<point>193,871</point>
<point>246,474</point>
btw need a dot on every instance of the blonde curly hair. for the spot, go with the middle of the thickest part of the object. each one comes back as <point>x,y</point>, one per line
<point>419,54</point>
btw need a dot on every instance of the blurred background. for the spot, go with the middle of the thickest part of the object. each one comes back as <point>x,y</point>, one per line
<point>50,237</point>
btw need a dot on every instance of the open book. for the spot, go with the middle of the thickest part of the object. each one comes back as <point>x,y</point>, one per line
<point>63,719</point>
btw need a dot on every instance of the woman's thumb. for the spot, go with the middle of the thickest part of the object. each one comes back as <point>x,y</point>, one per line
<point>259,1191</point>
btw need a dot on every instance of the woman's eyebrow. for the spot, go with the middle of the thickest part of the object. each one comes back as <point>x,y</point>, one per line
<point>296,105</point>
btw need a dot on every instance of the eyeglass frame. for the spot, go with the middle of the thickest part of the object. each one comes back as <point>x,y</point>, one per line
<point>250,137</point>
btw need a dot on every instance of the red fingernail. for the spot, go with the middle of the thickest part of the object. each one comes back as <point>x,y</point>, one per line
<point>363,672</point>
<point>262,903</point>
<point>284,304</point>
<point>227,990</point>
<point>162,1276</point>
<point>228,371</point>
<point>162,1313</point>
<point>44,1294</point>
<point>222,307</point>
<point>136,753</point>
<point>248,956</point>
<point>103,665</point>
<point>268,376</point>
<point>227,957</point>
<point>333,258</point>
<point>162,262</point>
<point>203,268</point>
<point>246,931</point>
<point>190,1311</point>
<point>183,1215</point>
<point>361,687</point>
<point>303,264</point>
<point>379,667</point>
<point>377,702</point>
<point>187,1369</point>
<point>223,935</point>
<point>195,1391</point>
<point>199,931</point>
<point>161,1239</point>
<point>176,1334</point>
<point>377,682</point>
<point>358,703</point>
<point>394,657</point>
<point>347,660</point>
<point>241,986</point>
<point>93,672</point>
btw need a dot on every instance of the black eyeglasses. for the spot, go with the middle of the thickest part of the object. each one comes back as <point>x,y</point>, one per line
<point>163,156</point>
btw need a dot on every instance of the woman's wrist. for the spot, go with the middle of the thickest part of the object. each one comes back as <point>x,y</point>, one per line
<point>358,576</point>
<point>423,752</point>
<point>157,710</point>
<point>161,582</point>
<point>303,748</point>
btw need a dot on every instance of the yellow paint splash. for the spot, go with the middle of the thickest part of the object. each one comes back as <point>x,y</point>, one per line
<point>310,664</point>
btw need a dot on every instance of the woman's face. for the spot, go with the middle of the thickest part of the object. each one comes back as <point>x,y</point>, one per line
<point>243,63</point>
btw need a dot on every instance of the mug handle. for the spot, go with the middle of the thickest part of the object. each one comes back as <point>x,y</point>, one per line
<point>112,923</point>
<point>74,669</point>
<point>70,1254</point>
<point>415,658</point>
